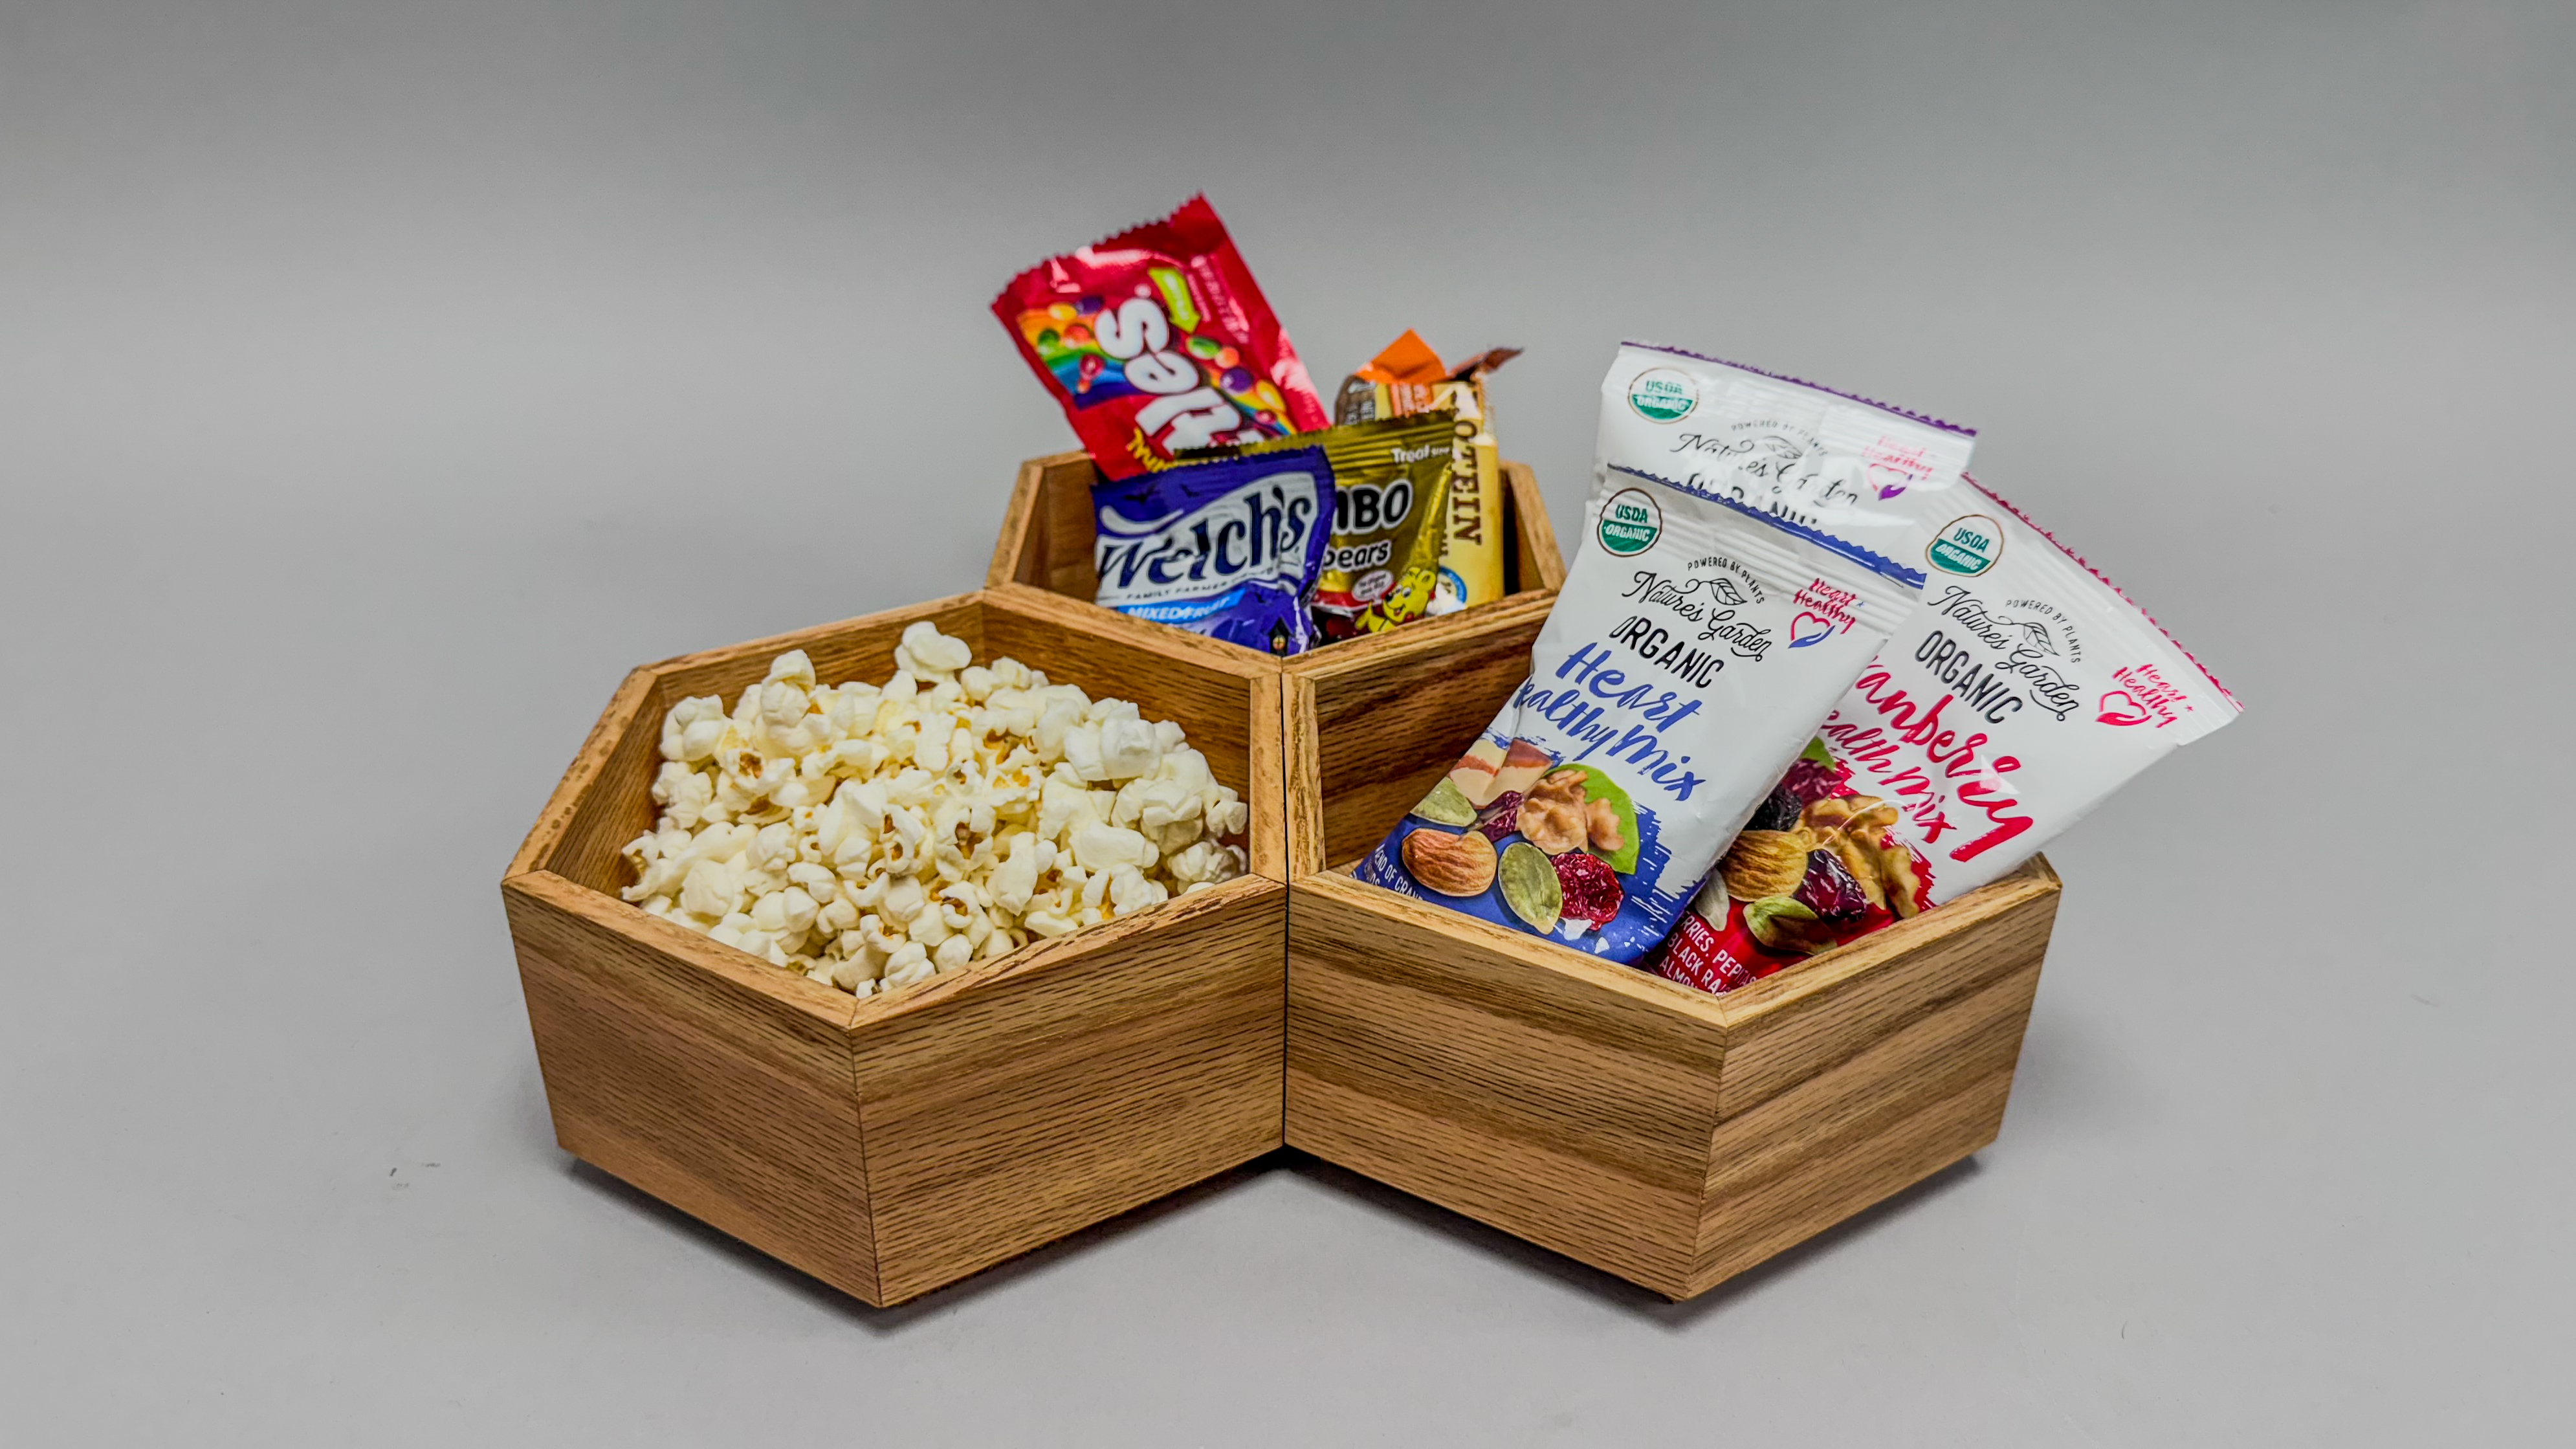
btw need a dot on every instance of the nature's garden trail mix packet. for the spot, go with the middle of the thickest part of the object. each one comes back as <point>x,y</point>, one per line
<point>2023,691</point>
<point>1693,648</point>
<point>1872,475</point>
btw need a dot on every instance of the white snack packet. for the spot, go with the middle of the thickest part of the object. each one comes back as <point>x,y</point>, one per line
<point>2023,691</point>
<point>1869,474</point>
<point>1694,646</point>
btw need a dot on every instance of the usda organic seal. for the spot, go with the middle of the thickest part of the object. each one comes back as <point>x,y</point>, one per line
<point>1663,394</point>
<point>1631,521</point>
<point>1967,545</point>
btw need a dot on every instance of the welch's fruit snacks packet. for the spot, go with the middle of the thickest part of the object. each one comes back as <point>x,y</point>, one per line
<point>2023,690</point>
<point>1696,643</point>
<point>1869,474</point>
<point>1230,549</point>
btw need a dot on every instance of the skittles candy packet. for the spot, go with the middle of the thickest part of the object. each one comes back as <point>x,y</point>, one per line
<point>1390,497</point>
<point>1157,341</point>
<point>2023,691</point>
<point>1229,548</point>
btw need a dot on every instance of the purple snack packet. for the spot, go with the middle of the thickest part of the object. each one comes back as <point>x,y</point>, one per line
<point>1229,548</point>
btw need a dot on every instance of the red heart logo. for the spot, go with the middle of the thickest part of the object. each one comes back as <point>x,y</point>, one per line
<point>1809,628</point>
<point>2119,709</point>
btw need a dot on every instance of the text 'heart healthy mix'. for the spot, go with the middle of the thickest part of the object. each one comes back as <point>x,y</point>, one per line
<point>1804,679</point>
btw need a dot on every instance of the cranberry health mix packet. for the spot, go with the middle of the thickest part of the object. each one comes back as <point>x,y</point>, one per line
<point>1867,473</point>
<point>1689,656</point>
<point>1230,549</point>
<point>1157,341</point>
<point>2024,690</point>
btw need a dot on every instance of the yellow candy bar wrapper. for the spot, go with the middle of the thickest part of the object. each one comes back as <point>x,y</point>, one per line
<point>1390,511</point>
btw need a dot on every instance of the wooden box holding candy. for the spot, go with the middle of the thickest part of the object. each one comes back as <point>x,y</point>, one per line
<point>1048,537</point>
<point>893,1144</point>
<point>1668,1136</point>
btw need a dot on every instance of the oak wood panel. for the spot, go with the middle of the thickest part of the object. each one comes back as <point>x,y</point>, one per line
<point>1917,1100</point>
<point>1813,1016</point>
<point>1394,711</point>
<point>1047,535</point>
<point>697,1080</point>
<point>1084,1077</point>
<point>595,816</point>
<point>1535,562</point>
<point>1567,1101</point>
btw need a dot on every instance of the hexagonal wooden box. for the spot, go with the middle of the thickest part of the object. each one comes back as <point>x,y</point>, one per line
<point>1668,1136</point>
<point>1047,540</point>
<point>892,1145</point>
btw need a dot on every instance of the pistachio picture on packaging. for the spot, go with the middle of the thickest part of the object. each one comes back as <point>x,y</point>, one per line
<point>1696,642</point>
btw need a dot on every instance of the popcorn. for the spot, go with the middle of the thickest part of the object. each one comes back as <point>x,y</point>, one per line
<point>874,836</point>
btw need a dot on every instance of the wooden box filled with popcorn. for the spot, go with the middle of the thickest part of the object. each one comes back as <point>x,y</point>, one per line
<point>899,946</point>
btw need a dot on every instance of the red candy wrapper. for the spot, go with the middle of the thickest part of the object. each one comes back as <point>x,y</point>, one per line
<point>1157,342</point>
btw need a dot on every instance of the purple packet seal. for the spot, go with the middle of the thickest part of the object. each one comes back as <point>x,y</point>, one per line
<point>1230,549</point>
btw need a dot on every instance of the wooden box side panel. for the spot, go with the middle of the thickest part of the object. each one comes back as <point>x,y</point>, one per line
<point>1047,533</point>
<point>1569,1104</point>
<point>1916,1100</point>
<point>1812,1018</point>
<point>1390,715</point>
<point>583,826</point>
<point>1083,1078</point>
<point>670,1063</point>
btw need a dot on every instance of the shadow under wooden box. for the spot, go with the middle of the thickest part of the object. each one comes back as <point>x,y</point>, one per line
<point>1667,1136</point>
<point>893,1145</point>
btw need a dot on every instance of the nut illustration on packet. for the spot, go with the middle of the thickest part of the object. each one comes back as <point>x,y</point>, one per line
<point>1229,548</point>
<point>1157,341</point>
<point>1694,645</point>
<point>1870,474</point>
<point>2024,690</point>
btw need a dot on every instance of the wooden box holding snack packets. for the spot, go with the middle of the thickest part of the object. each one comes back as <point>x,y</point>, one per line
<point>889,1145</point>
<point>1668,1136</point>
<point>1048,539</point>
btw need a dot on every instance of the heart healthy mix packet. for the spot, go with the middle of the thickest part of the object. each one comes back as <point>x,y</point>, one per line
<point>1695,644</point>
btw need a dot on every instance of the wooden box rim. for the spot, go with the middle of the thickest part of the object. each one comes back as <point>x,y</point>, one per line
<point>1519,482</point>
<point>527,873</point>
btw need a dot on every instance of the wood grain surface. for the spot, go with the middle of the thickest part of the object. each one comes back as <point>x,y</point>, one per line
<point>1081,1078</point>
<point>1392,713</point>
<point>1659,1133</point>
<point>1550,1095</point>
<point>1015,1100</point>
<point>698,1075</point>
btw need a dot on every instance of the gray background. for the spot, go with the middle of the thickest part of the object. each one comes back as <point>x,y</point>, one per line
<point>378,382</point>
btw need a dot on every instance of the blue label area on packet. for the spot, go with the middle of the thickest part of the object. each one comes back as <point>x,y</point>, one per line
<point>1230,549</point>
